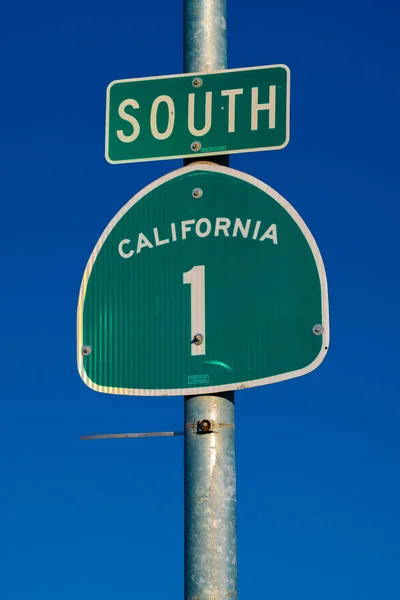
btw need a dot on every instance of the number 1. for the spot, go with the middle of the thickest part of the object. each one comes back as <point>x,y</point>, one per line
<point>195,277</point>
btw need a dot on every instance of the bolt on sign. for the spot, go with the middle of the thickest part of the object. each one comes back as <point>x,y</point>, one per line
<point>180,116</point>
<point>191,289</point>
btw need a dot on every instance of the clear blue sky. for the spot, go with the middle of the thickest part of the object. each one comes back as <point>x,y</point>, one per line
<point>317,457</point>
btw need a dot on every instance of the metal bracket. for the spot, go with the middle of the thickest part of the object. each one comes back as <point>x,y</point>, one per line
<point>117,436</point>
<point>201,427</point>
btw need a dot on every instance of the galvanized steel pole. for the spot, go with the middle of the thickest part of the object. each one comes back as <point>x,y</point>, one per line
<point>205,35</point>
<point>210,471</point>
<point>210,498</point>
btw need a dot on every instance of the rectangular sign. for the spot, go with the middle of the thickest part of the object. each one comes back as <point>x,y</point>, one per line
<point>197,114</point>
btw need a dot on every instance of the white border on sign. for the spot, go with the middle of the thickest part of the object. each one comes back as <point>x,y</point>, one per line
<point>211,167</point>
<point>195,155</point>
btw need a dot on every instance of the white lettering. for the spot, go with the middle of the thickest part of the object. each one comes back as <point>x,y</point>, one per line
<point>203,227</point>
<point>143,242</point>
<point>120,249</point>
<point>270,234</point>
<point>157,239</point>
<point>207,126</point>
<point>127,117</point>
<point>222,224</point>
<point>231,106</point>
<point>173,232</point>
<point>256,230</point>
<point>171,117</point>
<point>244,229</point>
<point>205,233</point>
<point>270,106</point>
<point>186,227</point>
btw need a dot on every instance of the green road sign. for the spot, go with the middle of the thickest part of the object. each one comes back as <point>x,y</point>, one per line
<point>206,280</point>
<point>178,116</point>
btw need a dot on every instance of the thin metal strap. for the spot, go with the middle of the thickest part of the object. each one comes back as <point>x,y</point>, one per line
<point>216,425</point>
<point>107,436</point>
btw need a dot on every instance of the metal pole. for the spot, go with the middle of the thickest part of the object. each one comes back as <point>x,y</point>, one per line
<point>210,471</point>
<point>204,35</point>
<point>210,499</point>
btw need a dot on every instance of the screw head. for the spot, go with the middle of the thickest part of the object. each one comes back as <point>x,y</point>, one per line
<point>195,146</point>
<point>198,339</point>
<point>197,193</point>
<point>205,425</point>
<point>86,350</point>
<point>318,329</point>
<point>197,82</point>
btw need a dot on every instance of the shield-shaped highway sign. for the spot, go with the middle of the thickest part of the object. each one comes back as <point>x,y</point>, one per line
<point>207,280</point>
